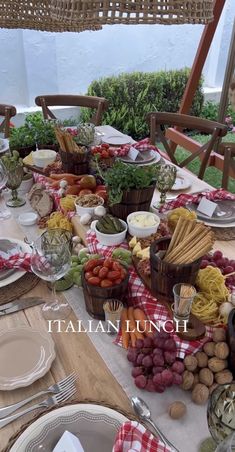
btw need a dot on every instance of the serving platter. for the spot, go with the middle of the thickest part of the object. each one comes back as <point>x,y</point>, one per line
<point>143,157</point>
<point>96,427</point>
<point>116,140</point>
<point>12,275</point>
<point>25,356</point>
<point>224,213</point>
<point>181,183</point>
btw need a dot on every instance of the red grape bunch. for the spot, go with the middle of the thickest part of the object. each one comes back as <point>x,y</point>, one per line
<point>155,366</point>
<point>225,265</point>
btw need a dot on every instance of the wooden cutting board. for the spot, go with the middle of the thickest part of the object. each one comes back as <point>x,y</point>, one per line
<point>79,229</point>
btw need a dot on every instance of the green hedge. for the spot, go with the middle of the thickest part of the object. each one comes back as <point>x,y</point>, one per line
<point>132,96</point>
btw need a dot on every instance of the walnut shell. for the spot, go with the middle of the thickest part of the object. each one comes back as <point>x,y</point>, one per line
<point>219,335</point>
<point>221,350</point>
<point>212,387</point>
<point>206,377</point>
<point>224,377</point>
<point>177,410</point>
<point>216,364</point>
<point>188,379</point>
<point>190,363</point>
<point>209,349</point>
<point>202,359</point>
<point>200,394</point>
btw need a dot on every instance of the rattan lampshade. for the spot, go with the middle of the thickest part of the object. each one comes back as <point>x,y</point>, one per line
<point>79,15</point>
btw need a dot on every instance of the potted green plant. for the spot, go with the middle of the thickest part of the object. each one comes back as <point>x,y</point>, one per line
<point>130,187</point>
<point>22,140</point>
<point>42,130</point>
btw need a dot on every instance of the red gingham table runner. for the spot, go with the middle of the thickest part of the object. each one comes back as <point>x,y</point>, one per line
<point>141,146</point>
<point>139,296</point>
<point>133,437</point>
<point>19,260</point>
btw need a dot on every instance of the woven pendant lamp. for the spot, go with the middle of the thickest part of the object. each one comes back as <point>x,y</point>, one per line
<point>101,12</point>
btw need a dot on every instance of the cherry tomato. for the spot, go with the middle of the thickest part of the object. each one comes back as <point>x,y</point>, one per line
<point>105,145</point>
<point>88,275</point>
<point>102,194</point>
<point>94,281</point>
<point>96,270</point>
<point>103,272</point>
<point>108,263</point>
<point>117,281</point>
<point>92,264</point>
<point>123,273</point>
<point>117,266</point>
<point>113,275</point>
<point>104,154</point>
<point>106,283</point>
<point>100,188</point>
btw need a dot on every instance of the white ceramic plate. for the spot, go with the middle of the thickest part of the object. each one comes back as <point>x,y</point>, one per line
<point>116,140</point>
<point>181,183</point>
<point>18,273</point>
<point>96,427</point>
<point>25,355</point>
<point>148,156</point>
<point>4,145</point>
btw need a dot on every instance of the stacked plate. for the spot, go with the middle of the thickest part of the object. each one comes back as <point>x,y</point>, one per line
<point>223,216</point>
<point>8,247</point>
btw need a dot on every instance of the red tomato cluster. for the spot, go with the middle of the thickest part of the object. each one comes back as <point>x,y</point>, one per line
<point>103,151</point>
<point>104,272</point>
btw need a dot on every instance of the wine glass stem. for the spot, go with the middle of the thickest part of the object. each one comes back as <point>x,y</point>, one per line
<point>54,292</point>
<point>14,194</point>
<point>163,197</point>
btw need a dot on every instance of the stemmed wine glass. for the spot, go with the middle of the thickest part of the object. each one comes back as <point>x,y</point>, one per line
<point>51,261</point>
<point>165,180</point>
<point>4,213</point>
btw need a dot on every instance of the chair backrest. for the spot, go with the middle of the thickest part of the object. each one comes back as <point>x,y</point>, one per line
<point>7,112</point>
<point>99,104</point>
<point>156,121</point>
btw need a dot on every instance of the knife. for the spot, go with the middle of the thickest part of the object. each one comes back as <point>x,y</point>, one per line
<point>20,304</point>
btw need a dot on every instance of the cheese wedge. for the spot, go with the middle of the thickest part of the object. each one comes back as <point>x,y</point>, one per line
<point>144,254</point>
<point>133,242</point>
<point>136,248</point>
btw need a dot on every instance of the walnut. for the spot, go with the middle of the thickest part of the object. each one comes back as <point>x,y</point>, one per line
<point>202,359</point>
<point>200,394</point>
<point>209,349</point>
<point>196,380</point>
<point>190,363</point>
<point>221,350</point>
<point>224,377</point>
<point>212,387</point>
<point>188,379</point>
<point>216,364</point>
<point>219,335</point>
<point>177,410</point>
<point>206,377</point>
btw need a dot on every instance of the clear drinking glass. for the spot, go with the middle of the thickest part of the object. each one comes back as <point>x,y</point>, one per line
<point>183,298</point>
<point>14,179</point>
<point>4,213</point>
<point>51,262</point>
<point>165,180</point>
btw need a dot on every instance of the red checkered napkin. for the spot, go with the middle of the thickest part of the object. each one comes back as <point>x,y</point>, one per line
<point>142,145</point>
<point>133,437</point>
<point>184,199</point>
<point>140,297</point>
<point>19,261</point>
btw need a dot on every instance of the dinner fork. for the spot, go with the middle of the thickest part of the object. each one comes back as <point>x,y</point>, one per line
<point>62,385</point>
<point>48,403</point>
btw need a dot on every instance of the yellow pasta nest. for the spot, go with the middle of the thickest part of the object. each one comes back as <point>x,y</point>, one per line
<point>212,293</point>
<point>68,203</point>
<point>58,220</point>
<point>174,215</point>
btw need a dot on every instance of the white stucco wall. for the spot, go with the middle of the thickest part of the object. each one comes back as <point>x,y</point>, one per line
<point>33,62</point>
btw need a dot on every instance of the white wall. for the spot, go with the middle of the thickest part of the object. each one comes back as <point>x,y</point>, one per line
<point>33,62</point>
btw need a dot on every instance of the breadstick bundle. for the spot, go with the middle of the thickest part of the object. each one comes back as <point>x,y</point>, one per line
<point>66,141</point>
<point>190,241</point>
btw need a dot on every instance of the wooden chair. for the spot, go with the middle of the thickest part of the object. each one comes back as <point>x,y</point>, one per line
<point>7,112</point>
<point>157,121</point>
<point>225,161</point>
<point>100,104</point>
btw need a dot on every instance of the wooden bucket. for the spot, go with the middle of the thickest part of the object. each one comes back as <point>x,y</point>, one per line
<point>133,201</point>
<point>96,296</point>
<point>74,162</point>
<point>26,151</point>
<point>164,275</point>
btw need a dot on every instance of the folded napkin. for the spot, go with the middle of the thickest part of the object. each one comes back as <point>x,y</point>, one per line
<point>184,199</point>
<point>142,145</point>
<point>133,437</point>
<point>19,261</point>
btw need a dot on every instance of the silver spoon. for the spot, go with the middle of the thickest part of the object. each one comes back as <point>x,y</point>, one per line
<point>143,412</point>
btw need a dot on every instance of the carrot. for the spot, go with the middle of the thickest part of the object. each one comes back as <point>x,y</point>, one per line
<point>73,190</point>
<point>133,324</point>
<point>143,321</point>
<point>133,339</point>
<point>66,175</point>
<point>125,333</point>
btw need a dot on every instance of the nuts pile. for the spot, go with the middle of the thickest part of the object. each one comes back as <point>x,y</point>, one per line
<point>207,369</point>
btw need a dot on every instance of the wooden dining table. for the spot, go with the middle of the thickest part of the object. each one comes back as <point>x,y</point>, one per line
<point>74,352</point>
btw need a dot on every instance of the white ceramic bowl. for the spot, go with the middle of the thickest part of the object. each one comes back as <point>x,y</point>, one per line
<point>28,218</point>
<point>111,239</point>
<point>82,210</point>
<point>144,231</point>
<point>43,157</point>
<point>26,185</point>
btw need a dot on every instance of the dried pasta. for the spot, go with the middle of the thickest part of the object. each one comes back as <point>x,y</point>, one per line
<point>68,203</point>
<point>58,220</point>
